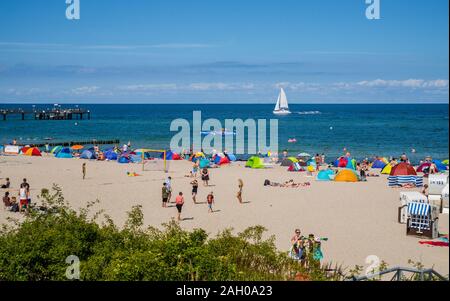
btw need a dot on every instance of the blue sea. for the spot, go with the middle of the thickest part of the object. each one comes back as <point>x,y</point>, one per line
<point>365,130</point>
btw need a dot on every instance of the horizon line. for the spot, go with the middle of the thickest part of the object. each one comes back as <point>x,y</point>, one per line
<point>219,103</point>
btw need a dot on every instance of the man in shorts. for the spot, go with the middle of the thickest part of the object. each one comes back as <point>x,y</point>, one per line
<point>179,202</point>
<point>169,188</point>
<point>165,195</point>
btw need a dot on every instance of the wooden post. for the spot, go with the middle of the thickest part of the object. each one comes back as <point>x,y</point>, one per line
<point>23,116</point>
<point>4,116</point>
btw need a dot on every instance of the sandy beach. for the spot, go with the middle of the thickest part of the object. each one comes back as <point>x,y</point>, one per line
<point>359,219</point>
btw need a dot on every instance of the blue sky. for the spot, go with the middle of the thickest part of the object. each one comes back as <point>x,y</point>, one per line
<point>161,51</point>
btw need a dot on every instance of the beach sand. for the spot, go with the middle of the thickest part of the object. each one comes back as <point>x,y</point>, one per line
<point>359,219</point>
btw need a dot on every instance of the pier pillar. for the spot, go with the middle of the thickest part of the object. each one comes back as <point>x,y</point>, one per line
<point>23,116</point>
<point>4,116</point>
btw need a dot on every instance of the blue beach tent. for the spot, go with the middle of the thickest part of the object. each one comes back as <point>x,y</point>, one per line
<point>440,166</point>
<point>124,159</point>
<point>204,163</point>
<point>64,152</point>
<point>325,175</point>
<point>110,155</point>
<point>232,157</point>
<point>88,154</point>
<point>378,164</point>
<point>351,163</point>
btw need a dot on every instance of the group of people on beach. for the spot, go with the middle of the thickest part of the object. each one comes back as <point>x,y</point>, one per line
<point>306,249</point>
<point>166,193</point>
<point>10,202</point>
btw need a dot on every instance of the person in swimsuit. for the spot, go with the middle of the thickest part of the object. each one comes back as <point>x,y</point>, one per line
<point>205,176</point>
<point>179,202</point>
<point>194,190</point>
<point>239,193</point>
<point>210,201</point>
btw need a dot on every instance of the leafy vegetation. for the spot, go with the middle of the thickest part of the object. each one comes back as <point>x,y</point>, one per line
<point>37,248</point>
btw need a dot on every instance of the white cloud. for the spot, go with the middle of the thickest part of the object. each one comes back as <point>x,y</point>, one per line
<point>84,90</point>
<point>148,87</point>
<point>408,83</point>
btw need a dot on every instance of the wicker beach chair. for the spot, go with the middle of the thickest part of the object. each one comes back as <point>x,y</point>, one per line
<point>422,220</point>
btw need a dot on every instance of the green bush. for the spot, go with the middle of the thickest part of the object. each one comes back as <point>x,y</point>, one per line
<point>36,249</point>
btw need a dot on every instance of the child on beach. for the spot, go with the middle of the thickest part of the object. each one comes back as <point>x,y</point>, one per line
<point>205,176</point>
<point>165,195</point>
<point>210,201</point>
<point>83,170</point>
<point>194,190</point>
<point>239,193</point>
<point>179,202</point>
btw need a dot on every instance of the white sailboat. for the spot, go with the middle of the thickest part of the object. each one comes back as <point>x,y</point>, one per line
<point>282,108</point>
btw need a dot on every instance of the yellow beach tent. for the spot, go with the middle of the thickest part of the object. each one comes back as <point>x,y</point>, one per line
<point>346,175</point>
<point>387,169</point>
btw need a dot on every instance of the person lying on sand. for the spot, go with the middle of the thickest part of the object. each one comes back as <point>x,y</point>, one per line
<point>406,185</point>
<point>371,174</point>
<point>132,174</point>
<point>287,184</point>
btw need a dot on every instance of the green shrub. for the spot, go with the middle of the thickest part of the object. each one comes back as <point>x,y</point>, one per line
<point>36,249</point>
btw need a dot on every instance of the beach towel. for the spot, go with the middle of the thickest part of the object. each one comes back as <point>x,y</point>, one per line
<point>434,243</point>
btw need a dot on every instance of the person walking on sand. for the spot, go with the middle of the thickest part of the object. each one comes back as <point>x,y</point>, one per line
<point>239,193</point>
<point>210,201</point>
<point>194,190</point>
<point>169,187</point>
<point>179,202</point>
<point>165,195</point>
<point>83,170</point>
<point>205,177</point>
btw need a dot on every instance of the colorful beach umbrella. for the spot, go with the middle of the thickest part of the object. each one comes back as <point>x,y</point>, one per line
<point>77,147</point>
<point>445,162</point>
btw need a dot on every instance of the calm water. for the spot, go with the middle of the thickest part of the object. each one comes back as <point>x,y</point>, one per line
<point>365,130</point>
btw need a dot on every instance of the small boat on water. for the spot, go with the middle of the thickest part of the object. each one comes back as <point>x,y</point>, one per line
<point>282,107</point>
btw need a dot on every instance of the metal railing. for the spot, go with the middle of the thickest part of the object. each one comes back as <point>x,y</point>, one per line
<point>399,275</point>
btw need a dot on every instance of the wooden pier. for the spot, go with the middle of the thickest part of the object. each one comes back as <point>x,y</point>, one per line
<point>70,143</point>
<point>56,113</point>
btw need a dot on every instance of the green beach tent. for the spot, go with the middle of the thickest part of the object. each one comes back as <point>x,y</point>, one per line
<point>56,149</point>
<point>255,162</point>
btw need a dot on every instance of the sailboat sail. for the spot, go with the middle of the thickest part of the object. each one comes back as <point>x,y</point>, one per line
<point>283,100</point>
<point>281,107</point>
<point>277,106</point>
